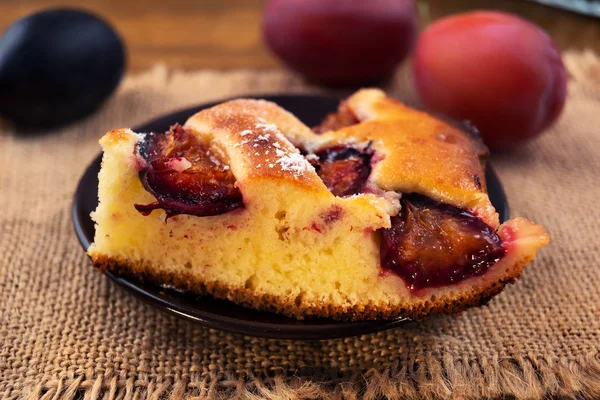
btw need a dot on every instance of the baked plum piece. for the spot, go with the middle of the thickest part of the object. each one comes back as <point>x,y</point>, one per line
<point>344,170</point>
<point>432,244</point>
<point>185,175</point>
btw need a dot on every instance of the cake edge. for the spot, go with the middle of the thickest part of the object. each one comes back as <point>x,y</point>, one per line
<point>289,306</point>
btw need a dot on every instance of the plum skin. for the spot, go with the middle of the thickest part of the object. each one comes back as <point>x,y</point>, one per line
<point>341,42</point>
<point>498,71</point>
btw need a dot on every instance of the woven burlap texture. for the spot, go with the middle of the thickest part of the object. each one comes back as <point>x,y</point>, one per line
<point>66,331</point>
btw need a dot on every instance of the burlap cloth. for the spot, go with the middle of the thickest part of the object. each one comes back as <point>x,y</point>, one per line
<point>66,331</point>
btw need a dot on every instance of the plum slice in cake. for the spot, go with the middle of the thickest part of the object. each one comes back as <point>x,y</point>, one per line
<point>379,212</point>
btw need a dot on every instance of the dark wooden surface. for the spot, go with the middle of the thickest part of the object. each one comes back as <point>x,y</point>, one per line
<point>193,34</point>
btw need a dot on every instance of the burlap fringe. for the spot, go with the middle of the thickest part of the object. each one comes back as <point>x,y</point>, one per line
<point>522,378</point>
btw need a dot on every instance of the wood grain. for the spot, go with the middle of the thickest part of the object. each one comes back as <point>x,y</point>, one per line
<point>183,34</point>
<point>193,34</point>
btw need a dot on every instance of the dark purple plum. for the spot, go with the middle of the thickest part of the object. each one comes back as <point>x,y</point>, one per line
<point>344,170</point>
<point>185,177</point>
<point>432,244</point>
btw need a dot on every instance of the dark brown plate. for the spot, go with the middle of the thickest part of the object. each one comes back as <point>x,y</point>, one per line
<point>221,314</point>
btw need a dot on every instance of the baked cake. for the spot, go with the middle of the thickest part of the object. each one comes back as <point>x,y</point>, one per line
<point>381,211</point>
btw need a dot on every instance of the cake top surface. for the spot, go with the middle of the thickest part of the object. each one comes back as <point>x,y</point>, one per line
<point>260,139</point>
<point>421,153</point>
<point>414,151</point>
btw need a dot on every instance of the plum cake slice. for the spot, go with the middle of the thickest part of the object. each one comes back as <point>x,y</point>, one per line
<point>379,212</point>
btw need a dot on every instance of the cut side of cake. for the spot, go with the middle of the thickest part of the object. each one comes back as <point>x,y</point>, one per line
<point>379,212</point>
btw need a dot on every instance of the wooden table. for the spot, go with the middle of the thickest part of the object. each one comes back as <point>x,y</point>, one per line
<point>193,34</point>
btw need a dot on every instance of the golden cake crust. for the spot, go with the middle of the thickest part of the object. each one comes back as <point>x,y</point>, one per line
<point>419,153</point>
<point>423,154</point>
<point>259,138</point>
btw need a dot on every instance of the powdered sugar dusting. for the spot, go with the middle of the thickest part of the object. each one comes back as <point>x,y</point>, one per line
<point>280,136</point>
<point>178,164</point>
<point>280,153</point>
<point>214,160</point>
<point>266,134</point>
<point>268,127</point>
<point>294,162</point>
